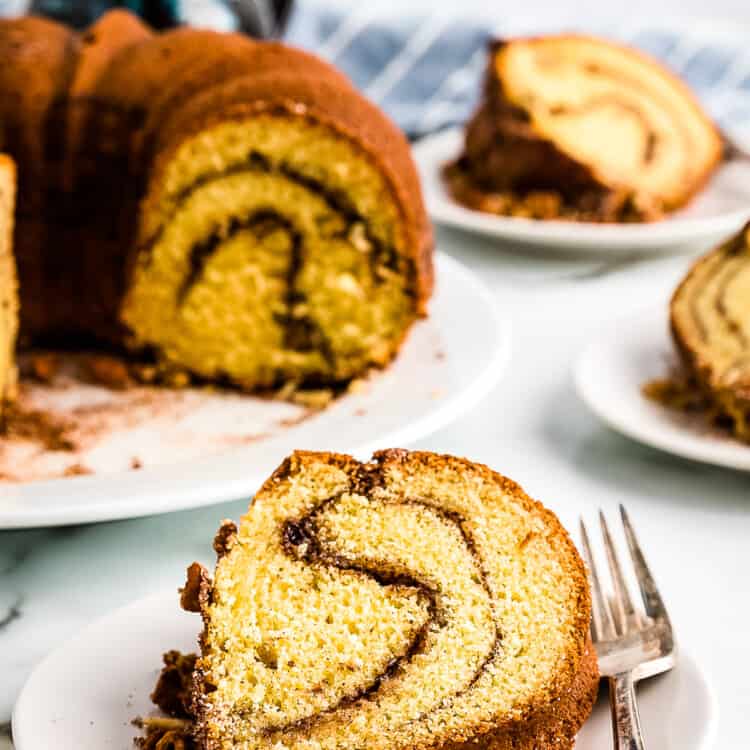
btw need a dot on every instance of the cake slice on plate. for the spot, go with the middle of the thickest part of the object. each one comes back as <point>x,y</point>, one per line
<point>579,127</point>
<point>413,601</point>
<point>710,318</point>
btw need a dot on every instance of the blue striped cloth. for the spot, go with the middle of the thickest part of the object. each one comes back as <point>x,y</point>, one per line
<point>425,70</point>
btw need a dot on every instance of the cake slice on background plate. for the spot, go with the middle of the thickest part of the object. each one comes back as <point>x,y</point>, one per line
<point>578,127</point>
<point>710,321</point>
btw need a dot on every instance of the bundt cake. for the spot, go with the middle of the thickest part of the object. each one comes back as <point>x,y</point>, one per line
<point>233,209</point>
<point>8,295</point>
<point>710,318</point>
<point>413,601</point>
<point>582,128</point>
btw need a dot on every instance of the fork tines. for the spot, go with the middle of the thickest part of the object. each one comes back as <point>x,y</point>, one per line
<point>615,616</point>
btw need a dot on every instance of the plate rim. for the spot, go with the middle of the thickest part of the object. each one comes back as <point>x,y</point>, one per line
<point>580,375</point>
<point>587,238</point>
<point>205,493</point>
<point>707,741</point>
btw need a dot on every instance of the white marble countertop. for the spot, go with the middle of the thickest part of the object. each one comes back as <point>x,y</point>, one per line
<point>694,520</point>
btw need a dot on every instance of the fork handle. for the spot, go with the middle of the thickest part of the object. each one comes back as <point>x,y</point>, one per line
<point>626,723</point>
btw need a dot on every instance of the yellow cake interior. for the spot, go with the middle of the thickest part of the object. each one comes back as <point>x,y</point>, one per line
<point>711,318</point>
<point>8,286</point>
<point>442,595</point>
<point>274,251</point>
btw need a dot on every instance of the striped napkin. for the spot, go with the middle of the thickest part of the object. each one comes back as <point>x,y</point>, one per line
<point>425,70</point>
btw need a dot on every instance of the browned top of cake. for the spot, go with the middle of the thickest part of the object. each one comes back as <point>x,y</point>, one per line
<point>110,101</point>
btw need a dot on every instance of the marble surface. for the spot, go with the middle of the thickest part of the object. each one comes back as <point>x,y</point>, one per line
<point>694,520</point>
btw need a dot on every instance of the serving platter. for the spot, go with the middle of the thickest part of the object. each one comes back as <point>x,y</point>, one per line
<point>141,451</point>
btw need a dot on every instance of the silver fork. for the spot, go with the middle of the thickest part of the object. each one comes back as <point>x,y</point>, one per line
<point>631,643</point>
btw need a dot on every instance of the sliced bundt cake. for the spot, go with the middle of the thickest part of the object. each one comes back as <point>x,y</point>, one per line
<point>8,290</point>
<point>415,601</point>
<point>233,208</point>
<point>583,128</point>
<point>710,317</point>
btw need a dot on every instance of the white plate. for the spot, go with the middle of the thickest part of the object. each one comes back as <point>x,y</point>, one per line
<point>720,209</point>
<point>609,376</point>
<point>211,448</point>
<point>84,695</point>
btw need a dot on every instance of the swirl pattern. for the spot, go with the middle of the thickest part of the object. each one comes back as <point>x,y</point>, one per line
<point>262,271</point>
<point>710,314</point>
<point>607,131</point>
<point>387,605</point>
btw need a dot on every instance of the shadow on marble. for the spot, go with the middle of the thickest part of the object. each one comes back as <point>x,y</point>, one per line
<point>608,458</point>
<point>479,251</point>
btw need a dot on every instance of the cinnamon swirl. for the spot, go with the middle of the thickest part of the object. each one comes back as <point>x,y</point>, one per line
<point>415,601</point>
<point>710,318</point>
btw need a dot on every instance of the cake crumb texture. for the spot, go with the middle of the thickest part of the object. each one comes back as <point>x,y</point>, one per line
<point>710,321</point>
<point>8,288</point>
<point>414,601</point>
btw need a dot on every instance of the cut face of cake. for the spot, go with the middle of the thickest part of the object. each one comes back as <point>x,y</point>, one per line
<point>274,250</point>
<point>609,130</point>
<point>416,601</point>
<point>8,288</point>
<point>710,316</point>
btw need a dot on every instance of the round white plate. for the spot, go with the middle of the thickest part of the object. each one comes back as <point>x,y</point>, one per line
<point>84,695</point>
<point>609,376</point>
<point>720,209</point>
<point>215,448</point>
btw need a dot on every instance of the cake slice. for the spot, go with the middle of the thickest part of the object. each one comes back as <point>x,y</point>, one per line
<point>411,602</point>
<point>710,317</point>
<point>8,286</point>
<point>583,128</point>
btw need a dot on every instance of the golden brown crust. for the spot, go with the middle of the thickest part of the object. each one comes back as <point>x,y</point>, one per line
<point>100,44</point>
<point>38,61</point>
<point>195,594</point>
<point>555,728</point>
<point>549,720</point>
<point>8,292</point>
<point>172,691</point>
